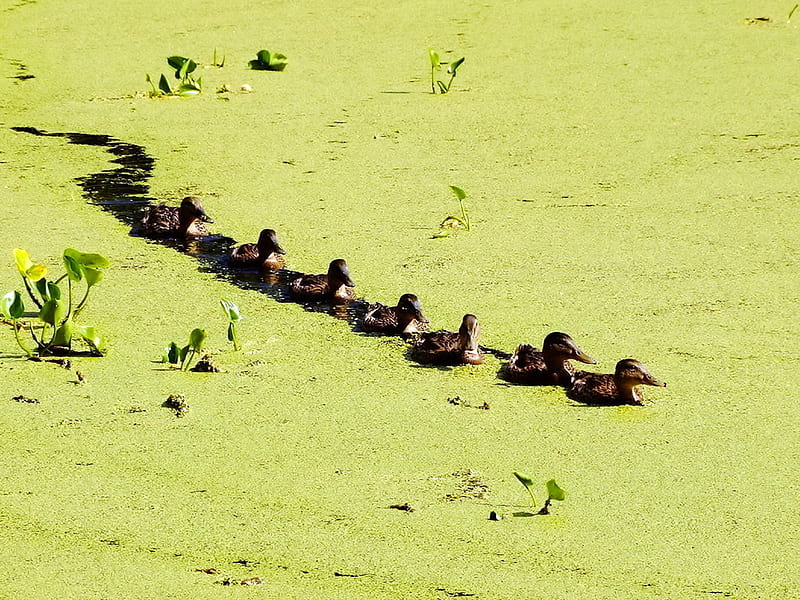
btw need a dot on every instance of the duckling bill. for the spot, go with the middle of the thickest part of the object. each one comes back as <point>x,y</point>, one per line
<point>619,388</point>
<point>266,254</point>
<point>405,318</point>
<point>186,221</point>
<point>334,286</point>
<point>548,366</point>
<point>448,348</point>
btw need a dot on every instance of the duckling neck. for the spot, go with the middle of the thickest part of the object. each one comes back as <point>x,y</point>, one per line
<point>406,322</point>
<point>340,290</point>
<point>558,368</point>
<point>627,392</point>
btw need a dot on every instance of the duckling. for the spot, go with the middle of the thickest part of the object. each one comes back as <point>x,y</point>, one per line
<point>405,318</point>
<point>335,286</point>
<point>548,366</point>
<point>185,221</point>
<point>266,254</point>
<point>448,348</point>
<point>619,388</point>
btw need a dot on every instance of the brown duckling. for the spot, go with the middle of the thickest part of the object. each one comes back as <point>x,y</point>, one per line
<point>548,366</point>
<point>185,221</point>
<point>619,388</point>
<point>448,348</point>
<point>335,286</point>
<point>266,254</point>
<point>405,318</point>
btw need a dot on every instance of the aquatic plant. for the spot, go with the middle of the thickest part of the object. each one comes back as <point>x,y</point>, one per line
<point>175,355</point>
<point>436,66</point>
<point>266,61</point>
<point>234,316</point>
<point>187,86</point>
<point>57,311</point>
<point>217,63</point>
<point>553,491</point>
<point>451,222</point>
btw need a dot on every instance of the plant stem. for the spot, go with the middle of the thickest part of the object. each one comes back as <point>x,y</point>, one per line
<point>82,303</point>
<point>546,508</point>
<point>433,76</point>
<point>23,346</point>
<point>791,12</point>
<point>30,293</point>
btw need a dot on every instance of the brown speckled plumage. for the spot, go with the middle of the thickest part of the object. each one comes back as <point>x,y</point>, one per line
<point>405,318</point>
<point>448,348</point>
<point>549,366</point>
<point>266,254</point>
<point>335,286</point>
<point>619,388</point>
<point>184,221</point>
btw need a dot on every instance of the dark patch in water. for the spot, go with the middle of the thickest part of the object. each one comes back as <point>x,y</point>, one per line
<point>123,191</point>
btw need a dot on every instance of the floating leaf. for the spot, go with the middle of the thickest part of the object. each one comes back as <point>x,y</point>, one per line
<point>53,311</point>
<point>454,66</point>
<point>63,335</point>
<point>92,276</point>
<point>187,89</point>
<point>173,353</point>
<point>434,56</point>
<point>92,337</point>
<point>554,492</point>
<point>11,305</point>
<point>231,311</point>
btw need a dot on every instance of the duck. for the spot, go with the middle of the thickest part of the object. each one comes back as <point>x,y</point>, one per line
<point>619,388</point>
<point>334,286</point>
<point>406,318</point>
<point>448,348</point>
<point>266,254</point>
<point>185,221</point>
<point>548,366</point>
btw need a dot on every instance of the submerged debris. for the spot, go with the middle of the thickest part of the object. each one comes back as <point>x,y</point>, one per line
<point>205,365</point>
<point>404,506</point>
<point>248,581</point>
<point>457,401</point>
<point>26,399</point>
<point>471,487</point>
<point>177,403</point>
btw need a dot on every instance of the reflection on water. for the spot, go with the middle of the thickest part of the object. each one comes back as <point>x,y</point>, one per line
<point>123,191</point>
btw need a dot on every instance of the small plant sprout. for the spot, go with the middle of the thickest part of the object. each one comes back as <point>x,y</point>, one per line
<point>553,493</point>
<point>218,63</point>
<point>57,311</point>
<point>234,316</point>
<point>187,86</point>
<point>436,66</point>
<point>528,483</point>
<point>451,222</point>
<point>266,61</point>
<point>185,355</point>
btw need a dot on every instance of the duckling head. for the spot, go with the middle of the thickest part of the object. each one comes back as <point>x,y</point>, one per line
<point>268,243</point>
<point>559,348</point>
<point>409,304</point>
<point>191,208</point>
<point>339,274</point>
<point>468,335</point>
<point>631,372</point>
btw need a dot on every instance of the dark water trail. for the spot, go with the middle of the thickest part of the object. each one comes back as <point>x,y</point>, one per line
<point>124,192</point>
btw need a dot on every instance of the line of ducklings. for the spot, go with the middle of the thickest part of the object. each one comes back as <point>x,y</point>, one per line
<point>527,366</point>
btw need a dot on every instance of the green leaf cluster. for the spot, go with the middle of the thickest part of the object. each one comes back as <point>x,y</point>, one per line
<point>267,61</point>
<point>553,491</point>
<point>57,309</point>
<point>234,316</point>
<point>183,69</point>
<point>174,354</point>
<point>436,68</point>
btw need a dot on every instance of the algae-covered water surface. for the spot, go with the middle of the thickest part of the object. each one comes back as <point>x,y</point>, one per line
<point>631,179</point>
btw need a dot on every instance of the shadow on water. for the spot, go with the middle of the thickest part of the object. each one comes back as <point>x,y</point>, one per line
<point>123,191</point>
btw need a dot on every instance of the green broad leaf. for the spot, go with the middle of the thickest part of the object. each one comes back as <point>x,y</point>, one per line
<point>11,305</point>
<point>63,335</point>
<point>74,270</point>
<point>173,353</point>
<point>88,259</point>
<point>53,311</point>
<point>257,65</point>
<point>197,339</point>
<point>41,287</point>
<point>187,89</point>
<point>90,335</point>
<point>36,272</point>
<point>53,291</point>
<point>23,260</point>
<point>454,66</point>
<point>460,194</point>
<point>92,275</point>
<point>184,351</point>
<point>554,492</point>
<point>263,56</point>
<point>163,85</point>
<point>231,310</point>
<point>231,332</point>
<point>441,234</point>
<point>434,56</point>
<point>278,62</point>
<point>528,483</point>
